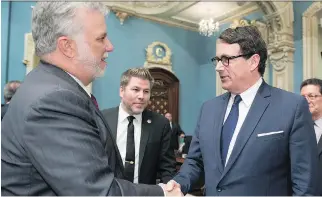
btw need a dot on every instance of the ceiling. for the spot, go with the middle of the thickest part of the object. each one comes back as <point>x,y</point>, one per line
<point>186,14</point>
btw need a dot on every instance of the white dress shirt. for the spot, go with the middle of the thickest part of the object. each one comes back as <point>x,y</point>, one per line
<point>121,138</point>
<point>318,129</point>
<point>244,106</point>
<point>80,83</point>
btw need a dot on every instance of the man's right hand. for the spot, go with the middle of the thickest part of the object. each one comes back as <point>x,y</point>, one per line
<point>172,188</point>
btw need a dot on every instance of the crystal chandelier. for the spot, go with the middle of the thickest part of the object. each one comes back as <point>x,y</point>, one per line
<point>208,27</point>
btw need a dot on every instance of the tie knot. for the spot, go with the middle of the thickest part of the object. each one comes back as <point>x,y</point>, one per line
<point>94,101</point>
<point>130,118</point>
<point>237,99</point>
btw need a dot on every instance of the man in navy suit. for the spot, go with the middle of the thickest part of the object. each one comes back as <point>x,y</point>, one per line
<point>254,140</point>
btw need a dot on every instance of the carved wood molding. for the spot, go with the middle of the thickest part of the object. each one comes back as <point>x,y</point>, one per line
<point>310,40</point>
<point>281,44</point>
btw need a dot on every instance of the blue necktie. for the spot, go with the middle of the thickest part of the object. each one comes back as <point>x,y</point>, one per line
<point>229,128</point>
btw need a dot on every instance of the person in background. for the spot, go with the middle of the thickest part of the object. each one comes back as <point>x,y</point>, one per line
<point>142,136</point>
<point>9,90</point>
<point>311,89</point>
<point>176,132</point>
<point>255,139</point>
<point>55,140</point>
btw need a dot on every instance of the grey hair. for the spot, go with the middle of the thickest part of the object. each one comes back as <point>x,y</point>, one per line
<point>52,19</point>
<point>10,89</point>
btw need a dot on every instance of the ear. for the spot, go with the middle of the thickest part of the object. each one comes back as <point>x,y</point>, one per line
<point>121,91</point>
<point>67,46</point>
<point>254,62</point>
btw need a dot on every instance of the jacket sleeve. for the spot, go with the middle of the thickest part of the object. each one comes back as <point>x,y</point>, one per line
<point>63,143</point>
<point>167,161</point>
<point>192,167</point>
<point>303,153</point>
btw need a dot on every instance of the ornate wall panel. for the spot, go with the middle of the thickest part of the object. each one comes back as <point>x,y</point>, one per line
<point>310,40</point>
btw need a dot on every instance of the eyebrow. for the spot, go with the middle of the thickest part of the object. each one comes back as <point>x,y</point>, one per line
<point>102,35</point>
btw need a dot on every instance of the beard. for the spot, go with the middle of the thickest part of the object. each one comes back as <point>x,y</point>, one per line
<point>88,60</point>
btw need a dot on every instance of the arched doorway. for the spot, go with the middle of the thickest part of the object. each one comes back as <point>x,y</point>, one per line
<point>165,93</point>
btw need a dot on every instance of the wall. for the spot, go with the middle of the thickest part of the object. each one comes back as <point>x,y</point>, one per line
<point>4,42</point>
<point>15,22</point>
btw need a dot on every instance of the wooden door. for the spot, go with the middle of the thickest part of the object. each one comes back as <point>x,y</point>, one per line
<point>165,93</point>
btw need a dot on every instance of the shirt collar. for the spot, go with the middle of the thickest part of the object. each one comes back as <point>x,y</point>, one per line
<point>123,115</point>
<point>80,83</point>
<point>318,122</point>
<point>249,95</point>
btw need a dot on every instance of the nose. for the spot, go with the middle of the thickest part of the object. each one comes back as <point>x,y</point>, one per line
<point>109,46</point>
<point>219,66</point>
<point>140,95</point>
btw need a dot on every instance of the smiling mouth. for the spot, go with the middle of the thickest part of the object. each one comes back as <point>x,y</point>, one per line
<point>105,56</point>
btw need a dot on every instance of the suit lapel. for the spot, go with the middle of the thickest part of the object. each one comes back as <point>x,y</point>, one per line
<point>109,133</point>
<point>64,76</point>
<point>145,132</point>
<point>112,120</point>
<point>254,115</point>
<point>222,105</point>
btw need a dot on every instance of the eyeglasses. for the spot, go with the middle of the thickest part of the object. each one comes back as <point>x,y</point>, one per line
<point>312,96</point>
<point>225,59</point>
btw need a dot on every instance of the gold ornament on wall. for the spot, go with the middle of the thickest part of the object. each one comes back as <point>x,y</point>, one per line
<point>158,53</point>
<point>242,23</point>
<point>122,16</point>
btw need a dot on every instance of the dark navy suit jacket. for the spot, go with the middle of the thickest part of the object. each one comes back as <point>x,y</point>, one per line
<point>283,163</point>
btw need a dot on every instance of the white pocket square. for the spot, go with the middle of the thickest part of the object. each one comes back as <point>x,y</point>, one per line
<point>269,133</point>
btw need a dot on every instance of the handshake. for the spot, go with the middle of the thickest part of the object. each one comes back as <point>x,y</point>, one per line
<point>172,188</point>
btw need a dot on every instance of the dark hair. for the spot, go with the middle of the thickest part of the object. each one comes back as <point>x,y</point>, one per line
<point>250,42</point>
<point>312,81</point>
<point>10,89</point>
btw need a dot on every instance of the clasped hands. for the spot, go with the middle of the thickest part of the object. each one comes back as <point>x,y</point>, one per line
<point>172,188</point>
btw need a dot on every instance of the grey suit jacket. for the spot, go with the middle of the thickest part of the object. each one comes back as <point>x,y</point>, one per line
<point>156,154</point>
<point>4,109</point>
<point>55,142</point>
<point>275,152</point>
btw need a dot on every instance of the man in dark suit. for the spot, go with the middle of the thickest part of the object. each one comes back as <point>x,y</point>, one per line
<point>311,89</point>
<point>254,140</point>
<point>176,132</point>
<point>55,141</point>
<point>149,141</point>
<point>9,90</point>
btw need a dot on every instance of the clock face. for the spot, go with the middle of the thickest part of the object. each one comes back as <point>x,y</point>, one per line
<point>159,51</point>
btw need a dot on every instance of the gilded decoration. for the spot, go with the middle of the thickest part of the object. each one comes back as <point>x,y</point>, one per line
<point>242,23</point>
<point>158,53</point>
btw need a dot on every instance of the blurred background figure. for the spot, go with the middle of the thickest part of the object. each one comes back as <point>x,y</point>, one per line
<point>8,92</point>
<point>311,89</point>
<point>176,132</point>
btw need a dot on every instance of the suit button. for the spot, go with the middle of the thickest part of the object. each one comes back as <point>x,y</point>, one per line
<point>219,189</point>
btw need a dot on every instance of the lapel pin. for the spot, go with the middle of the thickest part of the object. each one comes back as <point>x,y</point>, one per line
<point>149,121</point>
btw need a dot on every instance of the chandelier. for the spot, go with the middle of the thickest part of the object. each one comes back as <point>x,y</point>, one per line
<point>208,27</point>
